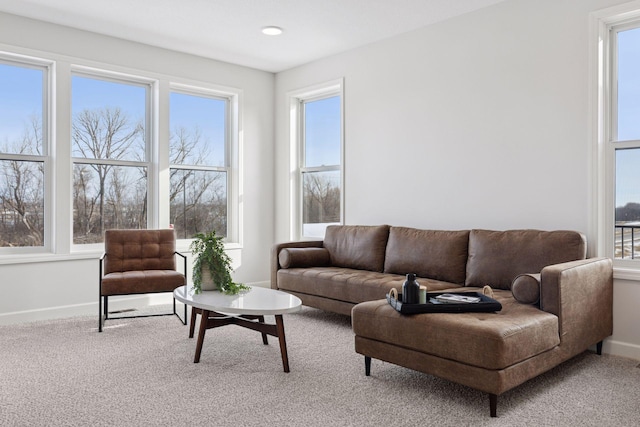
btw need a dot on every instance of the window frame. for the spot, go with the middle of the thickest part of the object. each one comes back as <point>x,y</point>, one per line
<point>297,99</point>
<point>604,26</point>
<point>150,140</point>
<point>59,164</point>
<point>232,154</point>
<point>48,122</point>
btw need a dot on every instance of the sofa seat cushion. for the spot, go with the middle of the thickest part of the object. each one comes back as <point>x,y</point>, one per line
<point>346,284</point>
<point>141,282</point>
<point>486,340</point>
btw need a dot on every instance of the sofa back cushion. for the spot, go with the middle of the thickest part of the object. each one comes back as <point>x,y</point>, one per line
<point>498,257</point>
<point>433,254</point>
<point>357,246</point>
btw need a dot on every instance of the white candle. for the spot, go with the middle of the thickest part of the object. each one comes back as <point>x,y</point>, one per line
<point>423,295</point>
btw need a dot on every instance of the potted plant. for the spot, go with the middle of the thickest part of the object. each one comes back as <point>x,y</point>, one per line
<point>212,265</point>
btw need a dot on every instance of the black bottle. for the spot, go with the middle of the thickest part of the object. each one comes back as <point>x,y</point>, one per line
<point>410,290</point>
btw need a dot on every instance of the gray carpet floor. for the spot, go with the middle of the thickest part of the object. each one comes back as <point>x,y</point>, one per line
<point>140,372</point>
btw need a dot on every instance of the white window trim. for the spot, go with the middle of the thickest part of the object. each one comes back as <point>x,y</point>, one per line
<point>48,132</point>
<point>296,98</point>
<point>601,116</point>
<point>233,159</point>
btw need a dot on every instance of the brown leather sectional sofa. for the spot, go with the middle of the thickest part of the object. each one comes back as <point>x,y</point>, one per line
<point>555,302</point>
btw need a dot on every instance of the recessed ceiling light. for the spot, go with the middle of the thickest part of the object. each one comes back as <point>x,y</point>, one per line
<point>272,31</point>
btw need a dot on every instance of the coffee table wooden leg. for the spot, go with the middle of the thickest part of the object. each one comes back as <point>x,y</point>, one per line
<point>265,341</point>
<point>192,326</point>
<point>283,343</point>
<point>204,315</point>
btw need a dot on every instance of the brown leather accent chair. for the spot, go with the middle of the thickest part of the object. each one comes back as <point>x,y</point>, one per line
<point>139,262</point>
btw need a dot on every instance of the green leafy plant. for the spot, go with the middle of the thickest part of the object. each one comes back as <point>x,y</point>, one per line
<point>208,250</point>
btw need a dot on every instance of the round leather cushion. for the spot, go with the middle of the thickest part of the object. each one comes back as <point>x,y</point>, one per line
<point>303,257</point>
<point>526,288</point>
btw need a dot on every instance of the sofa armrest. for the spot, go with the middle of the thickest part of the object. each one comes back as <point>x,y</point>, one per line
<point>580,293</point>
<point>275,252</point>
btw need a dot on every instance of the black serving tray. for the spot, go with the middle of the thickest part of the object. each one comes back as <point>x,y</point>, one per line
<point>485,304</point>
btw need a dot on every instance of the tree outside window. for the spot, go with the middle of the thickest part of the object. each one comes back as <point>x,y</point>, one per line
<point>199,158</point>
<point>109,149</point>
<point>321,148</point>
<point>22,155</point>
<point>118,164</point>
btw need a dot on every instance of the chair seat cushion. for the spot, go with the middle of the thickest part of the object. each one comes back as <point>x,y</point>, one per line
<point>487,340</point>
<point>141,282</point>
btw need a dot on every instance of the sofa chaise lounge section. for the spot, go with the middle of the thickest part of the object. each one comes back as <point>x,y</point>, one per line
<point>556,302</point>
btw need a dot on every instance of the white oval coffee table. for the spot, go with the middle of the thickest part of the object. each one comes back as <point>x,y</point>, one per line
<point>247,310</point>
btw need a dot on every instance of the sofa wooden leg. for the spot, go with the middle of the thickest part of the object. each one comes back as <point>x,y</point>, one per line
<point>599,348</point>
<point>493,405</point>
<point>367,365</point>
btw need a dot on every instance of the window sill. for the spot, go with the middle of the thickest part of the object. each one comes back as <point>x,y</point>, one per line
<point>622,273</point>
<point>42,257</point>
<point>184,246</point>
<point>74,256</point>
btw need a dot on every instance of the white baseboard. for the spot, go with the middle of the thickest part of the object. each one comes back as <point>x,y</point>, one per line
<point>619,348</point>
<point>265,284</point>
<point>86,309</point>
<point>89,309</point>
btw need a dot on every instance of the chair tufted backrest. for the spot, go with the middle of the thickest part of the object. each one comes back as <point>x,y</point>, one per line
<point>135,250</point>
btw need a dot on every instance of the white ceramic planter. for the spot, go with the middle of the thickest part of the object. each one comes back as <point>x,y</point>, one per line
<point>207,282</point>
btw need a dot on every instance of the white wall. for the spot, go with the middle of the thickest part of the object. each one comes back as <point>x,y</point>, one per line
<point>68,284</point>
<point>481,121</point>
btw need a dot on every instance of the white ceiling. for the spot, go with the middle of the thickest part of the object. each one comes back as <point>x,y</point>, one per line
<point>229,30</point>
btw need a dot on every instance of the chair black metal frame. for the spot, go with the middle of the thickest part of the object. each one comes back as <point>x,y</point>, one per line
<point>103,309</point>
